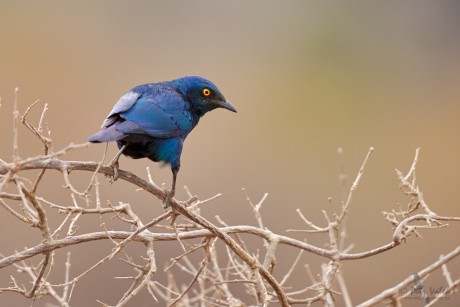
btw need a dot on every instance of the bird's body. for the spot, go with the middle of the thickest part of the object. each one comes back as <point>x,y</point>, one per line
<point>153,120</point>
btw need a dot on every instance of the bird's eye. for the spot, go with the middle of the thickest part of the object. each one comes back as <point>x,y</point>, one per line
<point>206,92</point>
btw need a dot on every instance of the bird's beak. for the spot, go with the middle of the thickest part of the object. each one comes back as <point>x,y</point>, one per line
<point>225,104</point>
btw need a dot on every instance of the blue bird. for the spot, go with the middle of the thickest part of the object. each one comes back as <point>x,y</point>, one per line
<point>152,120</point>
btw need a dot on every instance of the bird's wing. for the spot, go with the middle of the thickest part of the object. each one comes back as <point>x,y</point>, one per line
<point>160,114</point>
<point>123,104</point>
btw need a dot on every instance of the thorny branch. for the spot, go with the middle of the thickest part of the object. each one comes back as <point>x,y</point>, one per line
<point>210,279</point>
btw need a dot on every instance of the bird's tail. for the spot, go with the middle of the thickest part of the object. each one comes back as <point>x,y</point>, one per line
<point>107,135</point>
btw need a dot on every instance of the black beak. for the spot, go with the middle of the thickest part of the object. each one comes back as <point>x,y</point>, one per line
<point>225,104</point>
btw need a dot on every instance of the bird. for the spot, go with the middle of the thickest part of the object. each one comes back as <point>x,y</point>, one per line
<point>152,121</point>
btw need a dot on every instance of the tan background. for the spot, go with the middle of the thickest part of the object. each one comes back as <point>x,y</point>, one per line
<point>306,78</point>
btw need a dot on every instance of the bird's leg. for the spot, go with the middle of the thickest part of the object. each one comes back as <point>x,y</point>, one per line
<point>171,193</point>
<point>114,163</point>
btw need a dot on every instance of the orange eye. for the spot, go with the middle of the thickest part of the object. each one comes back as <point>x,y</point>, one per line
<point>206,92</point>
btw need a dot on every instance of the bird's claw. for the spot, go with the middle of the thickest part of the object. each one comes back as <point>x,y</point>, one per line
<point>167,201</point>
<point>115,167</point>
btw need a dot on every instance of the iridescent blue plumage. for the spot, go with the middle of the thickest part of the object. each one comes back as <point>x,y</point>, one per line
<point>153,120</point>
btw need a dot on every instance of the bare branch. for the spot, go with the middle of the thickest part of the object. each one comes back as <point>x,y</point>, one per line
<point>410,279</point>
<point>355,184</point>
<point>15,125</point>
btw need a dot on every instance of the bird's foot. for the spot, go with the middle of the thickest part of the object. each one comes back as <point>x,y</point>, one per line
<point>114,164</point>
<point>115,167</point>
<point>167,201</point>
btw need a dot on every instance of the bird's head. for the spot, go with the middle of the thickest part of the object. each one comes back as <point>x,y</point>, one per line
<point>203,94</point>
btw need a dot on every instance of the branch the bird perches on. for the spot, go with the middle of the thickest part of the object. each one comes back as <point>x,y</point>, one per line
<point>211,279</point>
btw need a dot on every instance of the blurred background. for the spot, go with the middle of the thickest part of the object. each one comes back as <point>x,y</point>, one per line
<point>306,78</point>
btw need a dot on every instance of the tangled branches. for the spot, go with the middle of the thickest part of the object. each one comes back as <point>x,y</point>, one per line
<point>210,279</point>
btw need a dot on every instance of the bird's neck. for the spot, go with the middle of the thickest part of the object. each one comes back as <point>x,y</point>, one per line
<point>198,111</point>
